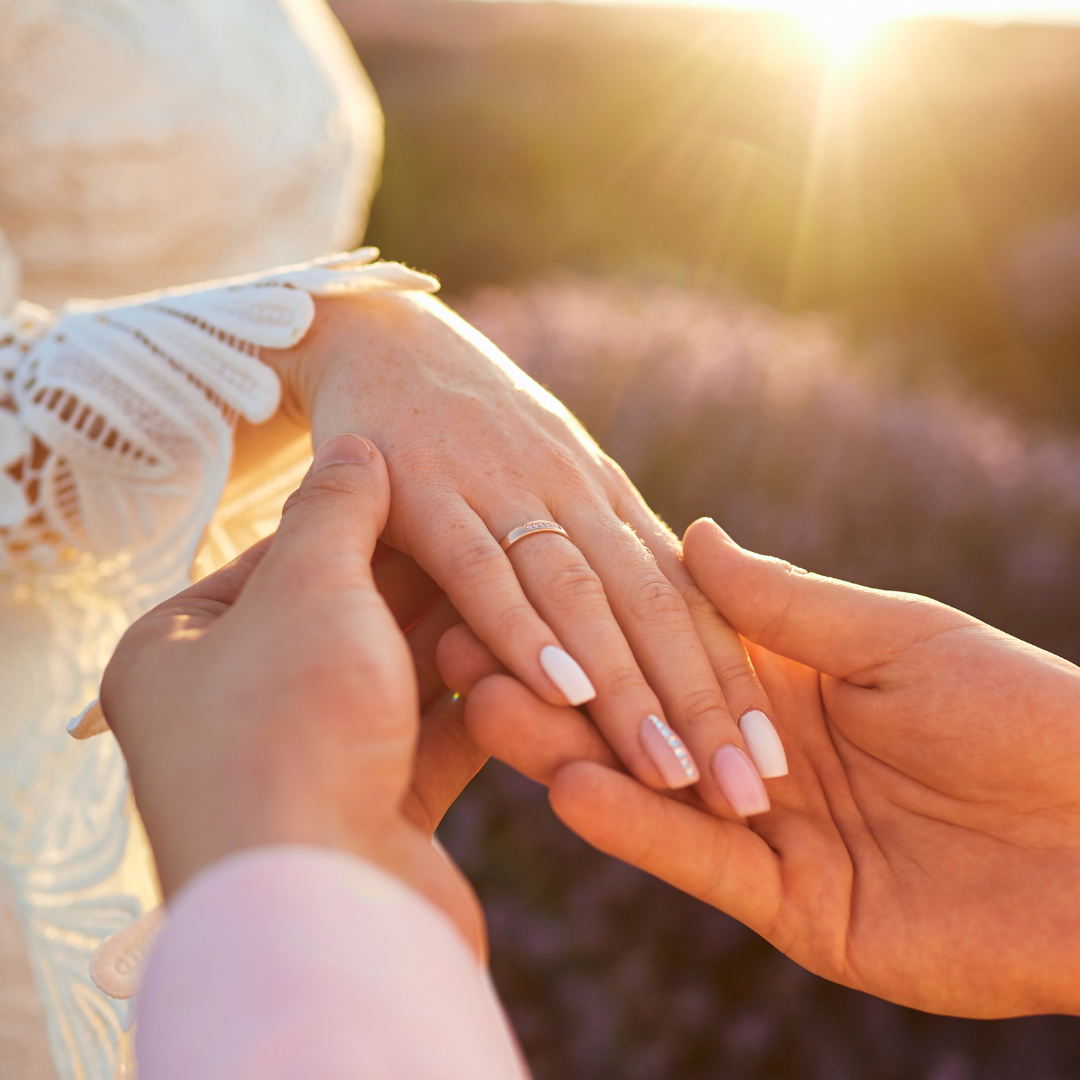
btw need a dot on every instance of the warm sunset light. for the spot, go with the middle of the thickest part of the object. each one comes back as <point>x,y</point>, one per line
<point>841,27</point>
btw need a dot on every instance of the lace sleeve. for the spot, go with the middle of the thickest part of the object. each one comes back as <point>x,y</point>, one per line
<point>116,418</point>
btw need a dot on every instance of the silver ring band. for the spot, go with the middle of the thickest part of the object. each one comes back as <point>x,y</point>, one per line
<point>530,527</point>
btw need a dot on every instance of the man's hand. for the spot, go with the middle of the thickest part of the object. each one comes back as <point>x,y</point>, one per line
<point>276,701</point>
<point>925,846</point>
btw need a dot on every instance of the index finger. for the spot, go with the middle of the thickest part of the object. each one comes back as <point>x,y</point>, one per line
<point>832,626</point>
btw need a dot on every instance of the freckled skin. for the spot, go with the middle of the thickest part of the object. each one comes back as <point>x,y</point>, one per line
<point>475,448</point>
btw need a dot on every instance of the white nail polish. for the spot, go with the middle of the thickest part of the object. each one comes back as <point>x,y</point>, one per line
<point>565,672</point>
<point>91,721</point>
<point>763,744</point>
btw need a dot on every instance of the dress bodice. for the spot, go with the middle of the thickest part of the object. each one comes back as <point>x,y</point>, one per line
<point>149,143</point>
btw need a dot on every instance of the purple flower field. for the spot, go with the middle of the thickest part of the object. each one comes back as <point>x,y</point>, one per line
<point>716,406</point>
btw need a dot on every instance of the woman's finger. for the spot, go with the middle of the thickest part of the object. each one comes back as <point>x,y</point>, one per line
<point>659,629</point>
<point>566,591</point>
<point>508,721</point>
<point>746,698</point>
<point>721,862</point>
<point>459,552</point>
<point>833,626</point>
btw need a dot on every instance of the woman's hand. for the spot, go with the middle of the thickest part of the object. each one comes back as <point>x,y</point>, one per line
<point>276,702</point>
<point>925,846</point>
<point>475,448</point>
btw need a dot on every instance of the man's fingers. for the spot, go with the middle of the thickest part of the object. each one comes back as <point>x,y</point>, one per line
<point>833,626</point>
<point>331,523</point>
<point>423,641</point>
<point>508,721</point>
<point>721,862</point>
<point>409,593</point>
<point>446,760</point>
<point>463,659</point>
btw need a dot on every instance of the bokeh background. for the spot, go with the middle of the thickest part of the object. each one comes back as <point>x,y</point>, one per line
<point>835,306</point>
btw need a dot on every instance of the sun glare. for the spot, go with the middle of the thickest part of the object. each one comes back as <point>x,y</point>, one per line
<point>843,28</point>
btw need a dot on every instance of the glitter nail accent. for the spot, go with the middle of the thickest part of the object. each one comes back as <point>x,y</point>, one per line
<point>676,745</point>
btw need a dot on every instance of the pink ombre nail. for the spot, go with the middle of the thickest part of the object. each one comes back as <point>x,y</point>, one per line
<point>739,781</point>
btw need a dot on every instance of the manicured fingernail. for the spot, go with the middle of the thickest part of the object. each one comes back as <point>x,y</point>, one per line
<point>763,744</point>
<point>668,753</point>
<point>739,781</point>
<point>345,449</point>
<point>565,672</point>
<point>91,721</point>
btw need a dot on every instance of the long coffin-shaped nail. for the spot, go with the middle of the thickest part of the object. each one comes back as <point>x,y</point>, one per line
<point>763,744</point>
<point>668,753</point>
<point>565,672</point>
<point>739,781</point>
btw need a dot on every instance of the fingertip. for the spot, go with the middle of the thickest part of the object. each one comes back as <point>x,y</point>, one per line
<point>705,530</point>
<point>463,660</point>
<point>346,467</point>
<point>705,547</point>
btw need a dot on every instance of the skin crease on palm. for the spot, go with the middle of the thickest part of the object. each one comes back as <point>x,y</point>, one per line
<point>475,448</point>
<point>925,846</point>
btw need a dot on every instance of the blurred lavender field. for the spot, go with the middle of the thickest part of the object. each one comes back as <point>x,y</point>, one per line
<point>718,406</point>
<point>721,407</point>
<point>932,205</point>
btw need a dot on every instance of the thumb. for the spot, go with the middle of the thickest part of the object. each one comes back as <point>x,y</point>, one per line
<point>330,524</point>
<point>832,626</point>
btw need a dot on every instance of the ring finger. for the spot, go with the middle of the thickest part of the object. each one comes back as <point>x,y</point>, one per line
<point>571,599</point>
<point>657,624</point>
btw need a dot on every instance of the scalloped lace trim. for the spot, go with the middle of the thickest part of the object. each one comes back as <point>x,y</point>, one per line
<point>116,418</point>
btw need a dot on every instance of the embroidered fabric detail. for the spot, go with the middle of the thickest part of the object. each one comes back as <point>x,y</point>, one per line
<point>116,418</point>
<point>119,961</point>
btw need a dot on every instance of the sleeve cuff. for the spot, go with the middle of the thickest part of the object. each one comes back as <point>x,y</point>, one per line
<point>293,962</point>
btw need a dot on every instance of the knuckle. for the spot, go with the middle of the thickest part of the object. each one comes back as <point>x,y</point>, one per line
<point>576,582</point>
<point>697,603</point>
<point>732,671</point>
<point>421,463</point>
<point>655,600</point>
<point>475,556</point>
<point>514,620</point>
<point>699,706</point>
<point>625,682</point>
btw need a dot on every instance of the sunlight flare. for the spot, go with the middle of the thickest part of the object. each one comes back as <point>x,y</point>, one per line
<point>843,27</point>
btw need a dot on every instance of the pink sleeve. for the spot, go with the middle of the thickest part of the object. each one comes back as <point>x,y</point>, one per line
<point>302,963</point>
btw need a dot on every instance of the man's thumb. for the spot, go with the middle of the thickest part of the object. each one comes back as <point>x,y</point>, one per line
<point>331,522</point>
<point>830,625</point>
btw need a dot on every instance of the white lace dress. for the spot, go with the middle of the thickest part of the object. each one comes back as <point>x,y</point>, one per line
<point>144,145</point>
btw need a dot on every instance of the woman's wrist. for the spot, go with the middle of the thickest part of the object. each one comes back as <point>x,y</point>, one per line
<point>349,333</point>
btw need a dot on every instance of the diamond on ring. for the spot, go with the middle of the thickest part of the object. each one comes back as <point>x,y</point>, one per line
<point>530,527</point>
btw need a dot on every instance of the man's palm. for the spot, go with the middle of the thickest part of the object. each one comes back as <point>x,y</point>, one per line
<point>925,846</point>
